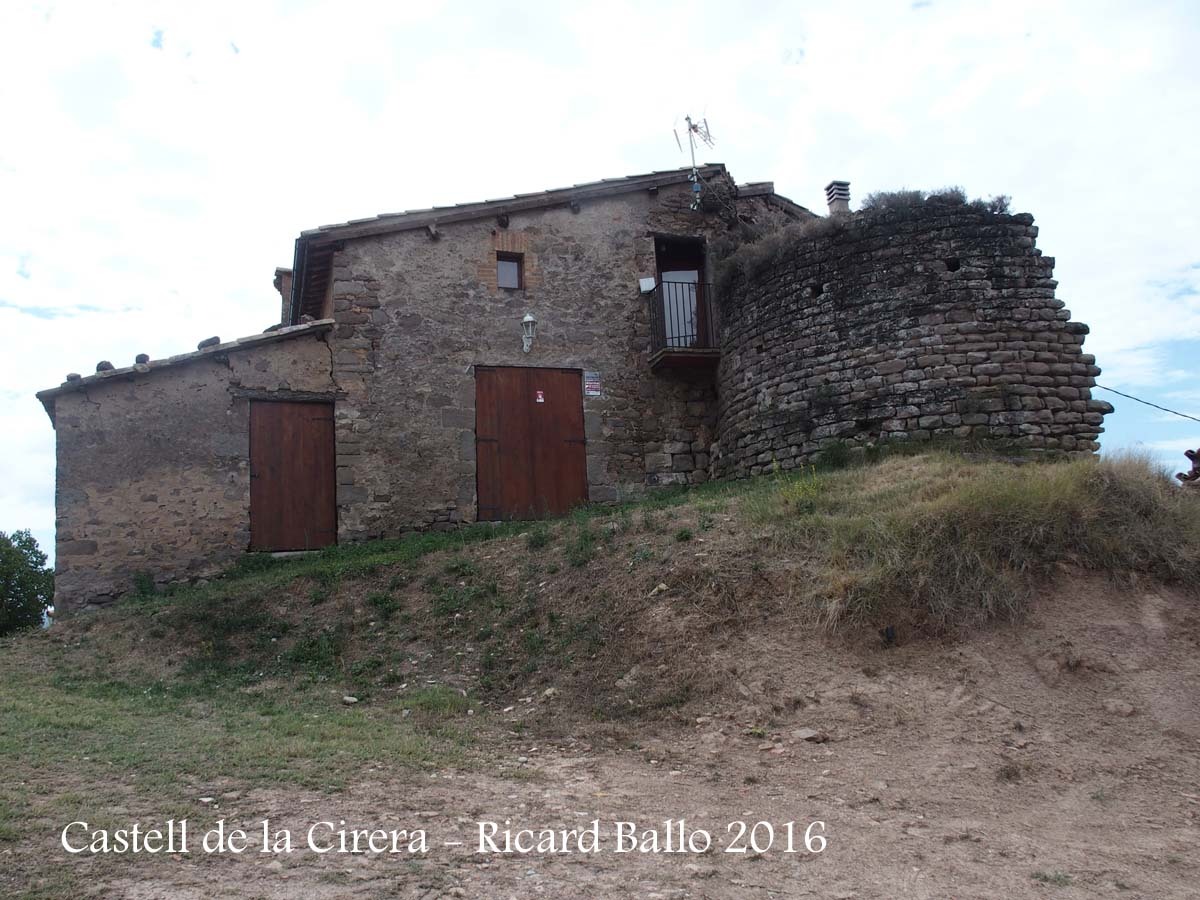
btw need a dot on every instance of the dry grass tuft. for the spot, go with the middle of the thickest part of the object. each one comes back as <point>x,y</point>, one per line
<point>941,541</point>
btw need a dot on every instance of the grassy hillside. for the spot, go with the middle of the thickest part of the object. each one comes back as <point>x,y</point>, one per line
<point>927,544</point>
<point>392,656</point>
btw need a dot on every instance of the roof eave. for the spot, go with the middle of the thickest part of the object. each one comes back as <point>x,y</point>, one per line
<point>408,221</point>
<point>49,395</point>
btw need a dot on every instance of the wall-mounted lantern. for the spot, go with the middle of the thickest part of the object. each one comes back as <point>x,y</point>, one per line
<point>528,331</point>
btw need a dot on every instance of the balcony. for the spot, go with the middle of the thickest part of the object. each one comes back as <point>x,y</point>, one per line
<point>683,328</point>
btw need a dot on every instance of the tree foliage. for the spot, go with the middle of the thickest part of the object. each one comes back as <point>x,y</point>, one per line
<point>26,585</point>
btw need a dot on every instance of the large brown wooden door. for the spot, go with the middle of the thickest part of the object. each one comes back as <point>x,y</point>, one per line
<point>292,494</point>
<point>530,455</point>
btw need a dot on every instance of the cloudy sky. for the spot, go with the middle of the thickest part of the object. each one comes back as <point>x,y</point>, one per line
<point>158,159</point>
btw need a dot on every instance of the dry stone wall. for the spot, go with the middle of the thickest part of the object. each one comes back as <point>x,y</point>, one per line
<point>937,321</point>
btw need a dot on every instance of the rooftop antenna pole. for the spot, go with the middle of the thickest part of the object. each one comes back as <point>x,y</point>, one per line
<point>696,130</point>
<point>691,141</point>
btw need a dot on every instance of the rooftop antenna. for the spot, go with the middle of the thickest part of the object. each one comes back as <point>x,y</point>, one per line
<point>696,131</point>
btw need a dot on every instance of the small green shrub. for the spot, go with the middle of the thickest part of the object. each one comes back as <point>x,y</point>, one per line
<point>537,538</point>
<point>799,494</point>
<point>143,584</point>
<point>898,199</point>
<point>461,567</point>
<point>581,549</point>
<point>683,535</point>
<point>534,643</point>
<point>901,200</point>
<point>384,603</point>
<point>835,455</point>
<point>318,652</point>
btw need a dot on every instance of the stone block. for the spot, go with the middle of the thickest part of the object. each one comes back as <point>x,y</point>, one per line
<point>683,462</point>
<point>76,548</point>
<point>658,462</point>
<point>458,418</point>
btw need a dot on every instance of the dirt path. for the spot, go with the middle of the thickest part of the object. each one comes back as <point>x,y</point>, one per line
<point>1058,759</point>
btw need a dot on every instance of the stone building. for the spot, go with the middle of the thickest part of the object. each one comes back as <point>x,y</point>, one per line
<point>514,358</point>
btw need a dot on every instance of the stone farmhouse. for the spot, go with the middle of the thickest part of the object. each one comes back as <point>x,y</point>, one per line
<point>514,358</point>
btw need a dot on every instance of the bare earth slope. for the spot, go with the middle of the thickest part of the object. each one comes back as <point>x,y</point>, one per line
<point>1058,758</point>
<point>546,681</point>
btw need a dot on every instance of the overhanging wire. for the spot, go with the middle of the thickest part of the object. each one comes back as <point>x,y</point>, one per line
<point>1148,403</point>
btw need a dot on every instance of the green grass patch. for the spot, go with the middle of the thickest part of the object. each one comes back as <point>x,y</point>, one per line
<point>318,651</point>
<point>581,548</point>
<point>384,604</point>
<point>438,700</point>
<point>164,732</point>
<point>460,567</point>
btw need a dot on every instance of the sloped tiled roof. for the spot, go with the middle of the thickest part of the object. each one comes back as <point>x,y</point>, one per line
<point>419,218</point>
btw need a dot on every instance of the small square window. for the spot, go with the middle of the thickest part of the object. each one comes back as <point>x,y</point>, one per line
<point>510,270</point>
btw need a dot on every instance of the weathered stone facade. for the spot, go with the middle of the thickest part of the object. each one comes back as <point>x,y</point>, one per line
<point>416,314</point>
<point>933,321</point>
<point>153,461</point>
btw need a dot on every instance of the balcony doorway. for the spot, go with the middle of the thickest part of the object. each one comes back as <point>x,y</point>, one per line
<point>683,310</point>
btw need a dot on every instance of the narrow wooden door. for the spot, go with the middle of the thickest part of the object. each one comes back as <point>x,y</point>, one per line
<point>292,493</point>
<point>531,456</point>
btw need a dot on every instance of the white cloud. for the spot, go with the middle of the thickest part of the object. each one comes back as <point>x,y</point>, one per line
<point>149,192</point>
<point>1176,446</point>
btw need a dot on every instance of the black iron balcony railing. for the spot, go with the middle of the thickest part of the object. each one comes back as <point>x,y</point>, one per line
<point>681,317</point>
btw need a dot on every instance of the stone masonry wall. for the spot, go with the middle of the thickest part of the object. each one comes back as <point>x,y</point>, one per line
<point>153,470</point>
<point>415,315</point>
<point>936,321</point>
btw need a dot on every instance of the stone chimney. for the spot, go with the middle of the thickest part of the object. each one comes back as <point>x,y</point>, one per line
<point>283,284</point>
<point>837,193</point>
